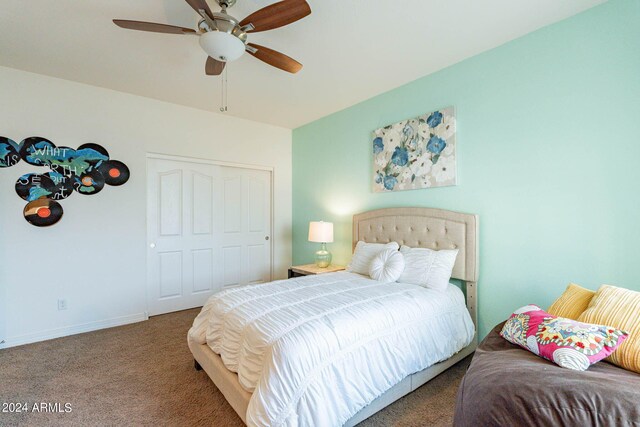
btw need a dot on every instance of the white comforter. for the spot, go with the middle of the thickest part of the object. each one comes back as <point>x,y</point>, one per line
<point>315,350</point>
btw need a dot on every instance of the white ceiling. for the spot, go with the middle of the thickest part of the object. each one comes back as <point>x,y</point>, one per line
<point>352,50</point>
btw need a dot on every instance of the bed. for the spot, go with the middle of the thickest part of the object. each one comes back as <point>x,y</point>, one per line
<point>336,348</point>
<point>506,385</point>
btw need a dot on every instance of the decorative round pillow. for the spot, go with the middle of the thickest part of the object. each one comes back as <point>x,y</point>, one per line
<point>387,266</point>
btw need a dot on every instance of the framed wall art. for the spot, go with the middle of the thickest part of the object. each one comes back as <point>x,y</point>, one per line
<point>416,153</point>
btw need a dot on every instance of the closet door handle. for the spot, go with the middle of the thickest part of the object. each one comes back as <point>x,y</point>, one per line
<point>266,237</point>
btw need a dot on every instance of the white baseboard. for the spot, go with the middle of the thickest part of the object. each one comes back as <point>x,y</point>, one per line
<point>72,330</point>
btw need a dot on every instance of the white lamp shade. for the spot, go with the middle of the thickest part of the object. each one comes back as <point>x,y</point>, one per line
<point>321,232</point>
<point>222,46</point>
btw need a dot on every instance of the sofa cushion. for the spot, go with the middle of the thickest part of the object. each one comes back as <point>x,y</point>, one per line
<point>619,308</point>
<point>572,303</point>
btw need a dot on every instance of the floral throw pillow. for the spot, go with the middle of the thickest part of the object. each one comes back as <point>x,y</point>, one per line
<point>565,342</point>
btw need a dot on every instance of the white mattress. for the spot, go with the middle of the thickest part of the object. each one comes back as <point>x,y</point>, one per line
<point>315,350</point>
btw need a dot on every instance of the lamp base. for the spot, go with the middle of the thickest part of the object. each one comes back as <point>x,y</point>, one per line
<point>323,257</point>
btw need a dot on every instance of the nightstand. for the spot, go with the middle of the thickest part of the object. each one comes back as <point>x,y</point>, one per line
<point>310,269</point>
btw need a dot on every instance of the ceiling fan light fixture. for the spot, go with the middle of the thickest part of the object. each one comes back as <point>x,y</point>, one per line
<point>225,39</point>
<point>222,46</point>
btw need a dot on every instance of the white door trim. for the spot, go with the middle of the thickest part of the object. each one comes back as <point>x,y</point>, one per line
<point>160,156</point>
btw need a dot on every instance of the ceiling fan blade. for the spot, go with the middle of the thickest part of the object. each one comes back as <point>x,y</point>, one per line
<point>277,15</point>
<point>200,4</point>
<point>152,26</point>
<point>274,58</point>
<point>213,67</point>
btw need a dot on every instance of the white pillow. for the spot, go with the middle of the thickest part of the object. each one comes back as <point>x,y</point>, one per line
<point>387,266</point>
<point>428,268</point>
<point>364,254</point>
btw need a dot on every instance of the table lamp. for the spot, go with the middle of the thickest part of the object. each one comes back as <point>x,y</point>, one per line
<point>321,232</point>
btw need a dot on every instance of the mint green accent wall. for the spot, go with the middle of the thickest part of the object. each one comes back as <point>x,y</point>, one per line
<point>548,156</point>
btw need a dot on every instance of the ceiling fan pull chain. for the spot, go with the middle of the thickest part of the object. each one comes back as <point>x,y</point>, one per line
<point>225,92</point>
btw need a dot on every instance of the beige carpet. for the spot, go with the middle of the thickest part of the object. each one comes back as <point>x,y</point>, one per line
<point>142,374</point>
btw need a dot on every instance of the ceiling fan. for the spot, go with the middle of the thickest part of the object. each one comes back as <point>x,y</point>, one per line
<point>224,38</point>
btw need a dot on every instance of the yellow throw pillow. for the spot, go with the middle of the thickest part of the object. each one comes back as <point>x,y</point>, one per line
<point>572,302</point>
<point>619,308</point>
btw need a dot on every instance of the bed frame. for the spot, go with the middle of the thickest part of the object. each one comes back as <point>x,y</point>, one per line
<point>414,227</point>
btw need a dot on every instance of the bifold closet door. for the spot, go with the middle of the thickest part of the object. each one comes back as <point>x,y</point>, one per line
<point>209,226</point>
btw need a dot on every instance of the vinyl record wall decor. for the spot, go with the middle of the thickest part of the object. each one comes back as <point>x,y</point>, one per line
<point>85,170</point>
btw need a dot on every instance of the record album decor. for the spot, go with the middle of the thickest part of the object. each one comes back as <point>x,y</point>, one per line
<point>85,170</point>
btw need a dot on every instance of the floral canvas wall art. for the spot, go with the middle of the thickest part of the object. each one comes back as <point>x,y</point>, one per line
<point>416,153</point>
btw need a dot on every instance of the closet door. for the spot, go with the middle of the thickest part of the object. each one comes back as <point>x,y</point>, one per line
<point>245,229</point>
<point>208,226</point>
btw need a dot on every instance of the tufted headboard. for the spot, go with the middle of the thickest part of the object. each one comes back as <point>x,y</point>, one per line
<point>427,228</point>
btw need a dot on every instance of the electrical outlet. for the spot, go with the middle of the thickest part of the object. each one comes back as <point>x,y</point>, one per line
<point>62,304</point>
